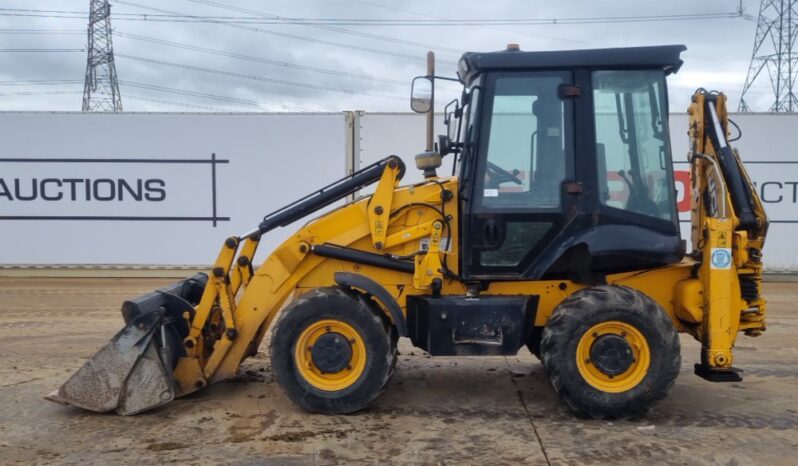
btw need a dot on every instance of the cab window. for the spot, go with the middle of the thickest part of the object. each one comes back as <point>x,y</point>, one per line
<point>527,142</point>
<point>634,162</point>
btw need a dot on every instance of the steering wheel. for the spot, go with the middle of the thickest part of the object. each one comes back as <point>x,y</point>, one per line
<point>502,175</point>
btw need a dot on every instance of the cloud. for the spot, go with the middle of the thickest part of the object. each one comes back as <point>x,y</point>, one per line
<point>718,50</point>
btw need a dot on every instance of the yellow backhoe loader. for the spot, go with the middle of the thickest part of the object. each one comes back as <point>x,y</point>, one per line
<point>559,232</point>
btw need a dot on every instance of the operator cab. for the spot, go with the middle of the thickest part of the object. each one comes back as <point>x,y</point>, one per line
<point>564,163</point>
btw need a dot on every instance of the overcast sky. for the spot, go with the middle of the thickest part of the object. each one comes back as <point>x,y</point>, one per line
<point>350,71</point>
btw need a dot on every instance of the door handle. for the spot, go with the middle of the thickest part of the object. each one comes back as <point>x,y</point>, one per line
<point>491,233</point>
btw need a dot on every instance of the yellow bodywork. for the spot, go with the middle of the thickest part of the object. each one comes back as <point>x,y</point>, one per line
<point>701,300</point>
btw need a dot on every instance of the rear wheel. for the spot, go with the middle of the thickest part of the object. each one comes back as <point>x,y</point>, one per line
<point>331,352</point>
<point>610,352</point>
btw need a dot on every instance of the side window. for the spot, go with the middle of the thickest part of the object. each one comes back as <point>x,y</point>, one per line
<point>634,163</point>
<point>527,140</point>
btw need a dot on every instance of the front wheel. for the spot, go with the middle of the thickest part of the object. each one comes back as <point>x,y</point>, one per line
<point>331,352</point>
<point>610,352</point>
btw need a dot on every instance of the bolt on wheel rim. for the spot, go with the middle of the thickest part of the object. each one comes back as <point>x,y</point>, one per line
<point>346,374</point>
<point>608,365</point>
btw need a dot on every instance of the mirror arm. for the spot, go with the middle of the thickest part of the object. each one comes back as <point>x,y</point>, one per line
<point>443,78</point>
<point>431,113</point>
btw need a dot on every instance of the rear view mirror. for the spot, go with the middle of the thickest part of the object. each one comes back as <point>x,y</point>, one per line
<point>450,117</point>
<point>421,95</point>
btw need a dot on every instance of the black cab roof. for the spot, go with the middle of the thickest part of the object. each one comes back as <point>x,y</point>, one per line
<point>665,57</point>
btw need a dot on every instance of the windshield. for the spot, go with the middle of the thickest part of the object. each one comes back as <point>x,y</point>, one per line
<point>634,162</point>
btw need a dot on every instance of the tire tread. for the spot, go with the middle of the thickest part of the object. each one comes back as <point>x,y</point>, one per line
<point>570,315</point>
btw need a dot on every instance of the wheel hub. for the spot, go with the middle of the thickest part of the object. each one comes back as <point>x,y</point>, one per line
<point>611,354</point>
<point>331,353</point>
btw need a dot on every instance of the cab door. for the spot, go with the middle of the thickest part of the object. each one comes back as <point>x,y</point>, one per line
<point>524,154</point>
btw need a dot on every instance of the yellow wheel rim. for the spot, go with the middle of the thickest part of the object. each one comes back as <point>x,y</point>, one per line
<point>329,381</point>
<point>593,371</point>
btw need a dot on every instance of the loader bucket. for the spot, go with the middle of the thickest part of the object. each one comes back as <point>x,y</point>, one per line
<point>133,372</point>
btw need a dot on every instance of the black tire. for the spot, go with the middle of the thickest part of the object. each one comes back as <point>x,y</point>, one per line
<point>587,308</point>
<point>393,336</point>
<point>332,303</point>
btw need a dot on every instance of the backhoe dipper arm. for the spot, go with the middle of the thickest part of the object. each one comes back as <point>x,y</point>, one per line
<point>729,227</point>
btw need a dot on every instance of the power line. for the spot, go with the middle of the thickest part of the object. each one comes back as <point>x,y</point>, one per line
<point>268,61</point>
<point>282,20</point>
<point>205,95</point>
<point>184,18</point>
<point>294,65</point>
<point>299,37</point>
<point>41,50</point>
<point>234,100</point>
<point>739,11</point>
<point>42,31</point>
<point>133,97</point>
<point>168,90</point>
<point>28,93</point>
<point>415,13</point>
<point>38,15</point>
<point>260,78</point>
<point>28,10</point>
<point>42,82</point>
<point>177,104</point>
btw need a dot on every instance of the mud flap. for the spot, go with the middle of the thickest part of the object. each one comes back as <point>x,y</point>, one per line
<point>127,374</point>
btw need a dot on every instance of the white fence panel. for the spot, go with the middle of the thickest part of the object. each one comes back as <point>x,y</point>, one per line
<point>145,188</point>
<point>136,188</point>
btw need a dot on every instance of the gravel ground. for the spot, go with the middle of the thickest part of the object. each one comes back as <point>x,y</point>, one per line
<point>435,411</point>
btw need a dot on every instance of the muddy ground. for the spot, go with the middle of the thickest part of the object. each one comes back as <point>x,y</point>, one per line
<point>435,411</point>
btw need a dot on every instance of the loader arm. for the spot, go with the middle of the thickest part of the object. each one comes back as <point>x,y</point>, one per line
<point>729,226</point>
<point>181,338</point>
<point>224,330</point>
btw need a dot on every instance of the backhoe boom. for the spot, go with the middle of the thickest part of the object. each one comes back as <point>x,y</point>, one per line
<point>728,233</point>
